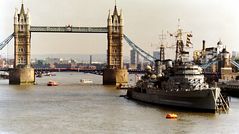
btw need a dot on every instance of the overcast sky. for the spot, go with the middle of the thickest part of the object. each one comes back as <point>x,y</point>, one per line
<point>210,20</point>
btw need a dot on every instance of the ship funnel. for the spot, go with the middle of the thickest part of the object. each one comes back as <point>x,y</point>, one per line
<point>169,63</point>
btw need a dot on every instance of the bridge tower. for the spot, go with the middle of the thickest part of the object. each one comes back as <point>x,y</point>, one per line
<point>115,72</point>
<point>22,73</point>
<point>225,67</point>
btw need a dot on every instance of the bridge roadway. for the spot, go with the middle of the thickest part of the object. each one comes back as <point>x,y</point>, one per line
<point>96,71</point>
<point>68,29</point>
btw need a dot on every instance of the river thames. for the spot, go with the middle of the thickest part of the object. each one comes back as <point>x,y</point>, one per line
<point>73,107</point>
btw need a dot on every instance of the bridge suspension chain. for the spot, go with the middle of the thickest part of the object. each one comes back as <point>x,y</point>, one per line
<point>235,63</point>
<point>204,66</point>
<point>139,50</point>
<point>6,41</point>
<point>214,61</point>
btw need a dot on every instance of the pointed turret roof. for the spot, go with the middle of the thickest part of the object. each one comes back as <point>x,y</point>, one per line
<point>22,11</point>
<point>121,14</point>
<point>115,11</point>
<point>109,15</point>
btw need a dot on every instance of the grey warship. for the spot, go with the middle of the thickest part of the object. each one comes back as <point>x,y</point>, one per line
<point>178,83</point>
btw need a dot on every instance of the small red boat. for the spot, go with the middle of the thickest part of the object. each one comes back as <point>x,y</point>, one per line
<point>52,83</point>
<point>171,116</point>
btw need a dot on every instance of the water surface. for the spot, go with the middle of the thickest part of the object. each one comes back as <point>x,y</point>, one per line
<point>73,107</point>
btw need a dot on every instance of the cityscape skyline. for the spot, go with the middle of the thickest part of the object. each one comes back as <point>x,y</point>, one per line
<point>144,22</point>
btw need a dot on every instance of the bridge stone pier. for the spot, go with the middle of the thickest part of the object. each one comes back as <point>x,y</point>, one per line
<point>22,73</point>
<point>115,74</point>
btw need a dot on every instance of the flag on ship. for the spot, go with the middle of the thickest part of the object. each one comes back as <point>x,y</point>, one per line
<point>188,41</point>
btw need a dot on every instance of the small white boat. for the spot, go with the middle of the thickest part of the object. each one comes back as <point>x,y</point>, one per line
<point>86,81</point>
<point>49,74</point>
<point>4,75</point>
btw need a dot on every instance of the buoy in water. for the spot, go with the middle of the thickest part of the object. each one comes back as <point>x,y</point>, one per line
<point>171,116</point>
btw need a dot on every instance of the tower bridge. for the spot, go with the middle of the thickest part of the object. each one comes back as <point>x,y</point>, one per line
<point>23,73</point>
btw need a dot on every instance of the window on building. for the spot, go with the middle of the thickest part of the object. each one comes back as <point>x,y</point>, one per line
<point>23,60</point>
<point>115,60</point>
<point>20,50</point>
<point>21,27</point>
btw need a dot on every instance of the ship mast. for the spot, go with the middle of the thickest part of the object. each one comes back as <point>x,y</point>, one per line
<point>179,43</point>
<point>162,37</point>
<point>180,52</point>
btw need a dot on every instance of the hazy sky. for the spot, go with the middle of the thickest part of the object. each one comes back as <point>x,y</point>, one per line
<point>210,20</point>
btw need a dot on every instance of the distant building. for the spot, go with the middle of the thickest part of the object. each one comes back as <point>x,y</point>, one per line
<point>133,56</point>
<point>206,55</point>
<point>66,64</point>
<point>221,69</point>
<point>235,55</point>
<point>10,63</point>
<point>210,53</point>
<point>134,59</point>
<point>87,67</point>
<point>156,54</point>
<point>52,60</point>
<point>62,65</point>
<point>2,63</point>
<point>225,66</point>
<point>99,66</point>
<point>41,64</point>
<point>6,63</point>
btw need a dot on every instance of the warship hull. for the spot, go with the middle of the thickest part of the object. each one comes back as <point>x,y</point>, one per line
<point>205,99</point>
